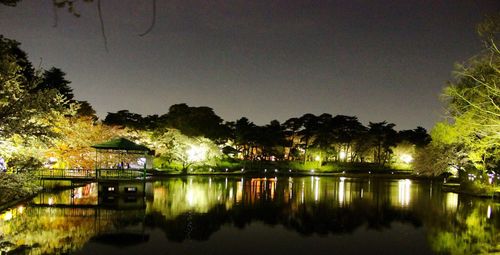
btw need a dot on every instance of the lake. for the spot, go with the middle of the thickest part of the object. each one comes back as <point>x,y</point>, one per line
<point>250,215</point>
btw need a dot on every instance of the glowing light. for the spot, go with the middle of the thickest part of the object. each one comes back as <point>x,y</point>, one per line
<point>407,158</point>
<point>312,170</point>
<point>488,213</point>
<point>141,161</point>
<point>453,170</point>
<point>239,190</point>
<point>404,192</point>
<point>342,155</point>
<point>341,190</point>
<point>7,216</point>
<point>197,153</point>
<point>317,158</point>
<point>20,209</point>
<point>451,201</point>
<point>316,190</point>
<point>51,201</point>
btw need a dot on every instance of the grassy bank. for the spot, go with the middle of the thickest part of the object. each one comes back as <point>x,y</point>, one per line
<point>247,166</point>
<point>15,187</point>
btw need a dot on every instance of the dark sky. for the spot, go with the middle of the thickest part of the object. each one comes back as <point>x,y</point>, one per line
<point>265,60</point>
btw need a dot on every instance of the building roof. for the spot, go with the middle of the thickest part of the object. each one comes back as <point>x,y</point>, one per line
<point>120,144</point>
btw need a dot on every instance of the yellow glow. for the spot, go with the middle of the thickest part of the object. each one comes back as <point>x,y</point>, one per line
<point>451,201</point>
<point>407,158</point>
<point>20,209</point>
<point>342,155</point>
<point>317,158</point>
<point>51,200</point>
<point>404,192</point>
<point>316,190</point>
<point>197,153</point>
<point>239,190</point>
<point>341,190</point>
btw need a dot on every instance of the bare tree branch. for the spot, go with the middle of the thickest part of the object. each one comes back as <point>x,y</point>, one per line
<point>99,12</point>
<point>152,21</point>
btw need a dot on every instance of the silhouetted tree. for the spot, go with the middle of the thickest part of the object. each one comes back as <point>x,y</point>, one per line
<point>86,110</point>
<point>54,79</point>
<point>291,128</point>
<point>346,129</point>
<point>124,118</point>
<point>195,121</point>
<point>419,136</point>
<point>310,124</point>
<point>384,137</point>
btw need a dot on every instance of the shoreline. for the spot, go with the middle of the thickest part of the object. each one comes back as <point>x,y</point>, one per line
<point>157,175</point>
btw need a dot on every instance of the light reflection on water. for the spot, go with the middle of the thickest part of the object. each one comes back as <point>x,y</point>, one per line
<point>204,208</point>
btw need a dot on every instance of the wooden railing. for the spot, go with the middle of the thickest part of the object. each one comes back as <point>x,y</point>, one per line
<point>89,173</point>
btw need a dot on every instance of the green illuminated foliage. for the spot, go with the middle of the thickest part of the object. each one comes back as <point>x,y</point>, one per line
<point>174,147</point>
<point>470,138</point>
<point>23,110</point>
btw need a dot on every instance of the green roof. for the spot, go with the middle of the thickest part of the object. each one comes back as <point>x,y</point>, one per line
<point>120,144</point>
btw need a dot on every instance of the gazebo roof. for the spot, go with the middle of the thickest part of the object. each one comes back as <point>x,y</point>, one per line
<point>120,144</point>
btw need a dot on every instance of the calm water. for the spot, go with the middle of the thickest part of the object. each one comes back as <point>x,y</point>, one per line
<point>218,215</point>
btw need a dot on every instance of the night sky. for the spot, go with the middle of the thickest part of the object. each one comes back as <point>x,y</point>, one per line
<point>265,60</point>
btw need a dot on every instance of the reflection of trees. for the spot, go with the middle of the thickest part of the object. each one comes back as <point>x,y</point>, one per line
<point>61,222</point>
<point>471,230</point>
<point>269,201</point>
<point>195,208</point>
<point>454,226</point>
<point>49,230</point>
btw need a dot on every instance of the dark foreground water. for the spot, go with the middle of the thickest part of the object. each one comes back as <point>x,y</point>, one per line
<point>218,215</point>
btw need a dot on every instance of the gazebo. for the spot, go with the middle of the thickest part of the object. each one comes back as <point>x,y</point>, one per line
<point>120,167</point>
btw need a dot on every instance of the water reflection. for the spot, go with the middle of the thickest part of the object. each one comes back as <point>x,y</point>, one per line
<point>197,208</point>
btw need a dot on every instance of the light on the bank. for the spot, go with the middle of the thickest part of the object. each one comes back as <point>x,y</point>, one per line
<point>342,155</point>
<point>406,158</point>
<point>197,153</point>
<point>7,216</point>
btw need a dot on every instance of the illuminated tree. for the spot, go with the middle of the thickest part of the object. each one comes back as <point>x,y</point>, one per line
<point>24,111</point>
<point>175,147</point>
<point>76,135</point>
<point>473,101</point>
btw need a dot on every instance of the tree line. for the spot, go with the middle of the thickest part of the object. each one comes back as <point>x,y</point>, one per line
<point>299,138</point>
<point>39,110</point>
